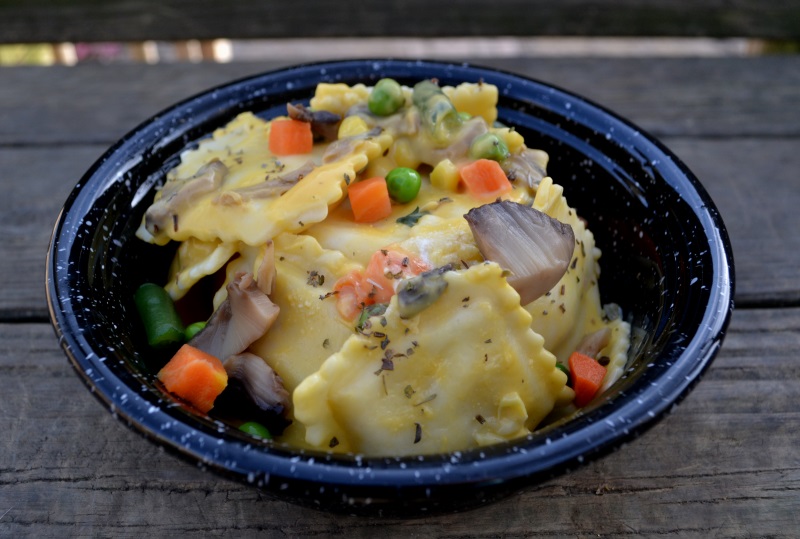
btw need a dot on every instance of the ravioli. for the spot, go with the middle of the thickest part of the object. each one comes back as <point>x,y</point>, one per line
<point>227,215</point>
<point>308,329</point>
<point>424,392</point>
<point>473,367</point>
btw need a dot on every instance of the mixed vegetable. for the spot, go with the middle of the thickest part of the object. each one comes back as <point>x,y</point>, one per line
<point>398,275</point>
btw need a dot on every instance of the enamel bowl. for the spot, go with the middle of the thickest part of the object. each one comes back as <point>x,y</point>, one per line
<point>641,202</point>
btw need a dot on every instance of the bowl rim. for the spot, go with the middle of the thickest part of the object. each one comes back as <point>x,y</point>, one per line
<point>602,428</point>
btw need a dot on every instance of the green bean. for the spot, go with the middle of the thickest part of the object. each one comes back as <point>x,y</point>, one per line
<point>161,322</point>
<point>563,368</point>
<point>386,98</point>
<point>403,184</point>
<point>437,113</point>
<point>255,429</point>
<point>194,329</point>
<point>489,146</point>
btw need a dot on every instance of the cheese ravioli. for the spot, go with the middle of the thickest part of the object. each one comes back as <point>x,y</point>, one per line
<point>407,387</point>
<point>472,366</point>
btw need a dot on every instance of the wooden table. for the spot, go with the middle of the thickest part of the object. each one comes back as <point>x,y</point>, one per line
<point>726,463</point>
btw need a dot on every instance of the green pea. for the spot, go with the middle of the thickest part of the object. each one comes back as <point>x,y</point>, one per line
<point>403,184</point>
<point>194,329</point>
<point>161,322</point>
<point>386,98</point>
<point>489,146</point>
<point>255,429</point>
<point>464,116</point>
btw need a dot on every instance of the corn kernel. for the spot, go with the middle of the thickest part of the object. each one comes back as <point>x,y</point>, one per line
<point>445,175</point>
<point>404,155</point>
<point>352,126</point>
<point>513,140</point>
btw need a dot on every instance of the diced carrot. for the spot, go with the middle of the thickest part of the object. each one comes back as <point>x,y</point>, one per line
<point>351,294</point>
<point>290,137</point>
<point>485,178</point>
<point>194,376</point>
<point>587,375</point>
<point>375,285</point>
<point>370,200</point>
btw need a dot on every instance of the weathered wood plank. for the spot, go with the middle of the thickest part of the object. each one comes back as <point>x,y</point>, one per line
<point>698,97</point>
<point>133,20</point>
<point>36,183</point>
<point>754,184</point>
<point>723,463</point>
<point>706,97</point>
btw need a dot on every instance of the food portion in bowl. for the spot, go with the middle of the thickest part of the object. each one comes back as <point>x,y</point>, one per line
<point>392,273</point>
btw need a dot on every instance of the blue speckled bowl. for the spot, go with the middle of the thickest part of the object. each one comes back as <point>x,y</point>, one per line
<point>641,202</point>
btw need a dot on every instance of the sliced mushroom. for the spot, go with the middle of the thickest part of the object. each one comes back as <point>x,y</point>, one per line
<point>255,392</point>
<point>178,194</point>
<point>324,123</point>
<point>240,320</point>
<point>270,187</point>
<point>533,246</point>
<point>400,124</point>
<point>529,166</point>
<point>416,294</point>
<point>262,384</point>
<point>342,147</point>
<point>592,343</point>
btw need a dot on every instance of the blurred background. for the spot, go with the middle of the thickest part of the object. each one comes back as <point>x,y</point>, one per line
<point>299,50</point>
<point>49,32</point>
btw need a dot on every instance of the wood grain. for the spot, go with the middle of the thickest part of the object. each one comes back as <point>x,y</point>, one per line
<point>754,185</point>
<point>136,20</point>
<point>715,466</point>
<point>720,98</point>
